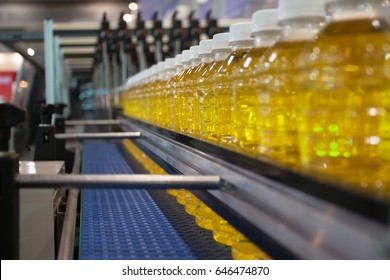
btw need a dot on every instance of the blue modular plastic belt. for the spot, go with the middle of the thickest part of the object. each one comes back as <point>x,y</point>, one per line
<point>123,224</point>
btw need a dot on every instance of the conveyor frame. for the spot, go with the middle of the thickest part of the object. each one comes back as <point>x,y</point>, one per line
<point>305,226</point>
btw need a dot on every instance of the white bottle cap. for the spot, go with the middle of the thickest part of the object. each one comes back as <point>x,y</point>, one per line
<point>301,8</point>
<point>178,58</point>
<point>221,41</point>
<point>240,32</point>
<point>153,70</point>
<point>205,46</point>
<point>161,66</point>
<point>194,52</point>
<point>265,20</point>
<point>170,63</point>
<point>185,56</point>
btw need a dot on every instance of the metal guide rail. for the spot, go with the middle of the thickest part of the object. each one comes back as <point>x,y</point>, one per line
<point>293,215</point>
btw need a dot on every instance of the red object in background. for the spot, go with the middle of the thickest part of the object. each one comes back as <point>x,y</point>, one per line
<point>6,81</point>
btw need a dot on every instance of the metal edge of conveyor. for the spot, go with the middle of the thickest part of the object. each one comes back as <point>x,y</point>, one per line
<point>308,226</point>
<point>65,251</point>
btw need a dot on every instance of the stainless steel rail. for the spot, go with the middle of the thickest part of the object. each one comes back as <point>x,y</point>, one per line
<point>65,250</point>
<point>92,136</point>
<point>92,122</point>
<point>120,181</point>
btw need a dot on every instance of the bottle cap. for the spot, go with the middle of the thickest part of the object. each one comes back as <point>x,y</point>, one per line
<point>301,8</point>
<point>170,63</point>
<point>205,46</point>
<point>240,32</point>
<point>194,52</point>
<point>221,41</point>
<point>265,20</point>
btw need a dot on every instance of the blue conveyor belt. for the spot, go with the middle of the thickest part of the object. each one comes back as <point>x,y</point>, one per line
<point>123,224</point>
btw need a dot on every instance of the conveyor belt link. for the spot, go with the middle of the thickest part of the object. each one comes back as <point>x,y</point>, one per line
<point>123,224</point>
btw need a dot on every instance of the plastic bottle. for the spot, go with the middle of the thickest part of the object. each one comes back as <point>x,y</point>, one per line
<point>241,42</point>
<point>167,97</point>
<point>204,216</point>
<point>192,95</point>
<point>277,129</point>
<point>265,32</point>
<point>173,86</point>
<point>180,92</point>
<point>220,51</point>
<point>345,81</point>
<point>206,58</point>
<point>160,85</point>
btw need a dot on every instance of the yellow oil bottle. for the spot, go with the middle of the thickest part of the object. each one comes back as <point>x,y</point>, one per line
<point>223,123</point>
<point>180,94</point>
<point>167,97</point>
<point>345,107</point>
<point>265,32</point>
<point>277,84</point>
<point>205,88</point>
<point>160,84</point>
<point>204,60</point>
<point>204,216</point>
<point>191,203</point>
<point>191,97</point>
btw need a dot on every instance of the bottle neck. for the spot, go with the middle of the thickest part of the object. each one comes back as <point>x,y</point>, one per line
<point>195,62</point>
<point>221,54</point>
<point>168,73</point>
<point>301,28</point>
<point>356,9</point>
<point>186,65</point>
<point>239,45</point>
<point>266,38</point>
<point>206,57</point>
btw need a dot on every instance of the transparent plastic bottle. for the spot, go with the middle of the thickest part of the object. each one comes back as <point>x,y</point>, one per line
<point>160,85</point>
<point>277,126</point>
<point>152,95</point>
<point>223,123</point>
<point>173,82</point>
<point>220,51</point>
<point>206,58</point>
<point>345,81</point>
<point>223,232</point>
<point>265,32</point>
<point>167,97</point>
<point>180,91</point>
<point>191,92</point>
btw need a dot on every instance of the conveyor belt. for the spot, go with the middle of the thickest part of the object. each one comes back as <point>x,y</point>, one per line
<point>123,224</point>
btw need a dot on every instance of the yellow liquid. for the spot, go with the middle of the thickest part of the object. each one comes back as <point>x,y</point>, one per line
<point>243,249</point>
<point>194,121</point>
<point>177,100</point>
<point>223,232</point>
<point>245,102</point>
<point>204,216</point>
<point>345,87</point>
<point>223,123</point>
<point>181,196</point>
<point>186,100</point>
<point>167,105</point>
<point>207,102</point>
<point>277,129</point>
<point>192,202</point>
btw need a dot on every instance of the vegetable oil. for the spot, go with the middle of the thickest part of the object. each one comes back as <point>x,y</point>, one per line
<point>277,87</point>
<point>223,232</point>
<point>167,97</point>
<point>220,51</point>
<point>223,123</point>
<point>345,83</point>
<point>206,58</point>
<point>265,32</point>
